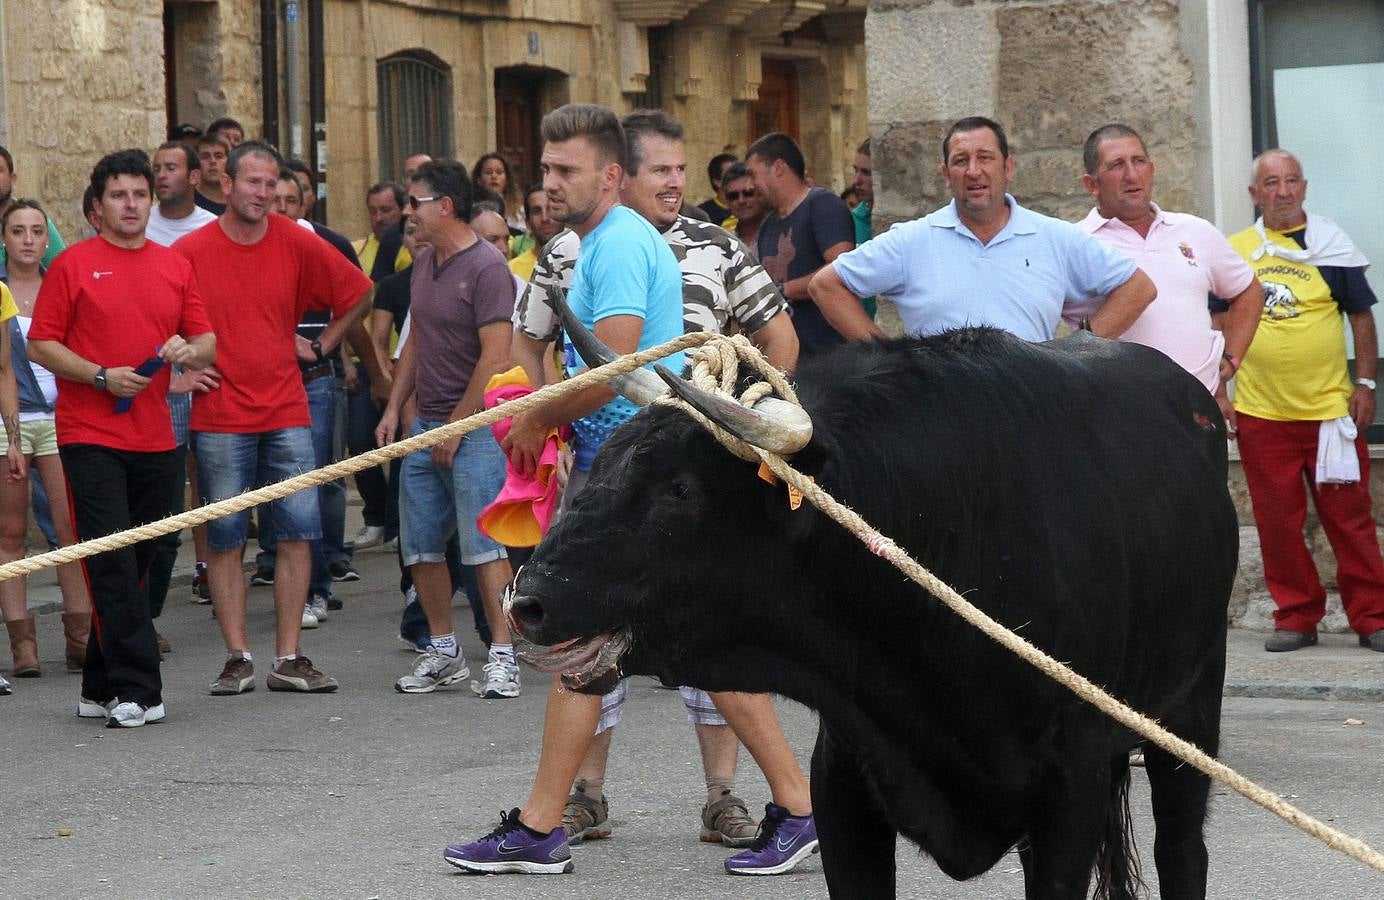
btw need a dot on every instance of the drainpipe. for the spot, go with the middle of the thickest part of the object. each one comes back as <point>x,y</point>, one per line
<point>317,103</point>
<point>269,70</point>
<point>294,94</point>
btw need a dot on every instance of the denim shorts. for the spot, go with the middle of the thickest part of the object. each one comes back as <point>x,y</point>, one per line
<point>435,501</point>
<point>230,464</point>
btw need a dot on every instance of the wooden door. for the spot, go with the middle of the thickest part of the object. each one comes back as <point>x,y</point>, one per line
<point>777,106</point>
<point>517,114</point>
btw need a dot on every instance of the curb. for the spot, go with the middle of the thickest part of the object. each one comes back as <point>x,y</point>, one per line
<point>1352,691</point>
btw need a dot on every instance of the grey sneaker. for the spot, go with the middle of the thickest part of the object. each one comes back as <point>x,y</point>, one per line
<point>728,821</point>
<point>299,674</point>
<point>132,715</point>
<point>501,680</point>
<point>318,605</point>
<point>585,819</point>
<point>237,677</point>
<point>433,670</point>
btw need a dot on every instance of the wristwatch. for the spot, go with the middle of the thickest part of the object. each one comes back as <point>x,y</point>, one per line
<point>317,348</point>
<point>1365,382</point>
<point>99,382</point>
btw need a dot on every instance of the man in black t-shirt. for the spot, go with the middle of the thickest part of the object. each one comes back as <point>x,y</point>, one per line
<point>716,209</point>
<point>806,228</point>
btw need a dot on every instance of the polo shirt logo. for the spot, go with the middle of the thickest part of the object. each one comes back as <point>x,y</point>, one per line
<point>1186,249</point>
<point>97,275</point>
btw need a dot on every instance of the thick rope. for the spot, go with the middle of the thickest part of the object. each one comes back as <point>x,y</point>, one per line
<point>715,366</point>
<point>709,365</point>
<point>326,474</point>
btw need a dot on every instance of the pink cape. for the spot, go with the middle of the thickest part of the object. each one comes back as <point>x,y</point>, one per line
<point>522,511</point>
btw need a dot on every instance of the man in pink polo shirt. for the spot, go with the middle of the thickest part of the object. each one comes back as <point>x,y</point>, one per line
<point>1187,258</point>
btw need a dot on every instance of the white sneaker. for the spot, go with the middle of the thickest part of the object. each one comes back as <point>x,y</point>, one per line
<point>501,680</point>
<point>309,617</point>
<point>434,670</point>
<point>318,605</point>
<point>132,715</point>
<point>4,686</point>
<point>90,709</point>
<point>369,536</point>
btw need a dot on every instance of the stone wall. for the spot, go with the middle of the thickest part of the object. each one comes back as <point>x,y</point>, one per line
<point>591,56</point>
<point>1050,72</point>
<point>84,77</point>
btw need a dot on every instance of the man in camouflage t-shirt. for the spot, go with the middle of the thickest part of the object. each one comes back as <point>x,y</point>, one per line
<point>724,290</point>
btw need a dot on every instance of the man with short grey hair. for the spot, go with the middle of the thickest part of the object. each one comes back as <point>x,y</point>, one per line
<point>1299,412</point>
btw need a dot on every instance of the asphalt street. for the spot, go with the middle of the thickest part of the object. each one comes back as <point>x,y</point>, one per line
<point>354,794</point>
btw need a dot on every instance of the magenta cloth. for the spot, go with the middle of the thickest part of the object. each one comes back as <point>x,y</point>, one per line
<point>524,508</point>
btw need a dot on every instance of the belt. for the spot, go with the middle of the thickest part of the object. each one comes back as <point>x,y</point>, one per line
<point>318,371</point>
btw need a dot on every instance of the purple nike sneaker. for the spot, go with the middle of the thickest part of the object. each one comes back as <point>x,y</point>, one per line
<point>783,842</point>
<point>511,848</point>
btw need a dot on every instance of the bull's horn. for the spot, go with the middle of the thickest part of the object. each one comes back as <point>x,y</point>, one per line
<point>773,424</point>
<point>640,387</point>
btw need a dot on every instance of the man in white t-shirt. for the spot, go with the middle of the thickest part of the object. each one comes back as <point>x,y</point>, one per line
<point>177,172</point>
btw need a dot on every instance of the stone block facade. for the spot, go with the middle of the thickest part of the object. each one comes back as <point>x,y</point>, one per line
<point>1049,72</point>
<point>81,77</point>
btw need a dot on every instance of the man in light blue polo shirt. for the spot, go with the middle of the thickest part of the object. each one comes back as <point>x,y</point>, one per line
<point>982,260</point>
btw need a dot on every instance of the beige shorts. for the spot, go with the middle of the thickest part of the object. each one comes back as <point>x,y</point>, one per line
<point>38,437</point>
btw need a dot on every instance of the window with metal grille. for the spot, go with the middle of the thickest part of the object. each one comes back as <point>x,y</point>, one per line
<point>415,109</point>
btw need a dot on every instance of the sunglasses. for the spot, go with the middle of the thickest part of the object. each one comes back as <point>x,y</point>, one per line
<point>415,202</point>
<point>736,195</point>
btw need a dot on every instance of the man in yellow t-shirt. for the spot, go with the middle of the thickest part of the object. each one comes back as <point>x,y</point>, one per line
<point>542,227</point>
<point>1298,413</point>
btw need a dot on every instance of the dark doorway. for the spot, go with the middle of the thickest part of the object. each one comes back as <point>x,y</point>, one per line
<point>777,106</point>
<point>518,111</point>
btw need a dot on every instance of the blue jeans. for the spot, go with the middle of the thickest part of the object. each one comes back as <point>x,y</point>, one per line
<point>437,502</point>
<point>331,497</point>
<point>229,464</point>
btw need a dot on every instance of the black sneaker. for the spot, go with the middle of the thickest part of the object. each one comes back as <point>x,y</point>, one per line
<point>341,570</point>
<point>263,576</point>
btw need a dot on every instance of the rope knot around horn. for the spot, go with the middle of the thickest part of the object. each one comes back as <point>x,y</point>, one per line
<point>766,415</point>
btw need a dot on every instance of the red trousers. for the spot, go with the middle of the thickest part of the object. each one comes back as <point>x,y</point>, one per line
<point>1277,456</point>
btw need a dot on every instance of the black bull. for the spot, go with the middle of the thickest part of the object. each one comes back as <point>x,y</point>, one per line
<point>1074,490</point>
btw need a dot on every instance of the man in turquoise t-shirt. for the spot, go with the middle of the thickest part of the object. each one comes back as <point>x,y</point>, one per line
<point>7,180</point>
<point>627,288</point>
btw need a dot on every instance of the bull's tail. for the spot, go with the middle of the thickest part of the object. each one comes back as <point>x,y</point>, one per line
<point>1117,863</point>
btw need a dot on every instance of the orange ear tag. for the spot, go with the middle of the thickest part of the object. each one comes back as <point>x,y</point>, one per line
<point>795,496</point>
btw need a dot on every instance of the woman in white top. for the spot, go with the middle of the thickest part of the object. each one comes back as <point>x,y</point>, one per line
<point>24,232</point>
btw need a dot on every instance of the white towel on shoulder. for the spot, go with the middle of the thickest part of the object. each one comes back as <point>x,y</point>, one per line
<point>1327,245</point>
<point>1336,459</point>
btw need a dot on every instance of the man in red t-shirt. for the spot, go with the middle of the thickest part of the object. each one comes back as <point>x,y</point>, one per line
<point>260,273</point>
<point>112,311</point>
